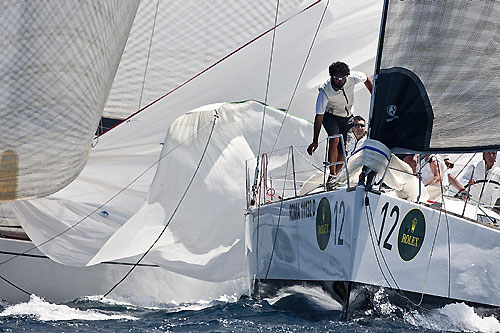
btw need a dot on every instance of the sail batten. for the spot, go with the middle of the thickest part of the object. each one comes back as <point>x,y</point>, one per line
<point>451,48</point>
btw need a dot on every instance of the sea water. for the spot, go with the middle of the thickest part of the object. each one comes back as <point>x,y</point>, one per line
<point>293,309</point>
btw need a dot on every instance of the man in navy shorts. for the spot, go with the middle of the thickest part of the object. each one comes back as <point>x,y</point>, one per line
<point>333,109</point>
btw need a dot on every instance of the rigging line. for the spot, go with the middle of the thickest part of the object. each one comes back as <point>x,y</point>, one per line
<point>213,65</point>
<point>443,203</point>
<point>216,115</point>
<point>268,80</point>
<point>279,215</point>
<point>300,76</point>
<point>109,200</point>
<point>370,226</point>
<point>312,164</point>
<point>265,100</point>
<point>149,54</point>
<point>15,286</point>
<point>430,256</point>
<point>466,164</point>
<point>398,291</point>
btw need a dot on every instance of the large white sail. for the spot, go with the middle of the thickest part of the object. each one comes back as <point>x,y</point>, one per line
<point>172,41</point>
<point>58,63</point>
<point>118,177</point>
<point>437,87</point>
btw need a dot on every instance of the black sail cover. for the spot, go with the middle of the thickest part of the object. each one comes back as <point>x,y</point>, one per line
<point>438,84</point>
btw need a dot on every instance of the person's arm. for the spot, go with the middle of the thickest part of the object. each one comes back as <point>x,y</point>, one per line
<point>466,176</point>
<point>318,119</point>
<point>455,183</point>
<point>321,103</point>
<point>437,176</point>
<point>368,83</point>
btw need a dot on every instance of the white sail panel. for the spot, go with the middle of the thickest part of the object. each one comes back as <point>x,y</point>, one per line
<point>121,166</point>
<point>172,41</point>
<point>438,69</point>
<point>58,61</point>
<point>120,169</point>
<point>205,239</point>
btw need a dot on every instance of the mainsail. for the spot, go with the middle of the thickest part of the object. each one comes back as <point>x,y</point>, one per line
<point>436,86</point>
<point>58,63</point>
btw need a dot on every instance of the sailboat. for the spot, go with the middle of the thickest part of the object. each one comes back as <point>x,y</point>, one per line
<point>123,188</point>
<point>433,92</point>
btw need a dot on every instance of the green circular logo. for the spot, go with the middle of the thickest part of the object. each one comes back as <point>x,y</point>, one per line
<point>411,234</point>
<point>323,223</point>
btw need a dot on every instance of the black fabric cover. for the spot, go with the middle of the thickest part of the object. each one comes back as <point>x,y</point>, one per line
<point>402,115</point>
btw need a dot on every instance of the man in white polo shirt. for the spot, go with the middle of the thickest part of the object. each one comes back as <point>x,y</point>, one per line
<point>333,109</point>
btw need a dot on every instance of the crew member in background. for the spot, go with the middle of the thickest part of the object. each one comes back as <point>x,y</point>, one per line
<point>356,135</point>
<point>486,174</point>
<point>333,110</point>
<point>433,176</point>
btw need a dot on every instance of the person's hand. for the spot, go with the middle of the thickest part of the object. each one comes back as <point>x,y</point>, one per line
<point>312,147</point>
<point>449,164</point>
<point>462,194</point>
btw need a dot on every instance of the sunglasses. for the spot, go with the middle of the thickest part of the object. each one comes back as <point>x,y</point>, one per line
<point>339,78</point>
<point>359,125</point>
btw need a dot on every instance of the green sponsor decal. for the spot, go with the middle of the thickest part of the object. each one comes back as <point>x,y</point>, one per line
<point>323,223</point>
<point>411,234</point>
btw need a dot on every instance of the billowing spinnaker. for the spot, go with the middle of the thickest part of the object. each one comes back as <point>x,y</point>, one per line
<point>205,234</point>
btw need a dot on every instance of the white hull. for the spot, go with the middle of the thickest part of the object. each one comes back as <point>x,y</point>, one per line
<point>36,274</point>
<point>385,251</point>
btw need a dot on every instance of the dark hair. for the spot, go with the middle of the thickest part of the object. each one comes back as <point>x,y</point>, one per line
<point>339,68</point>
<point>359,118</point>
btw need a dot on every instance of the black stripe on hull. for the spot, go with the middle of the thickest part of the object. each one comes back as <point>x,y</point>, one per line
<point>37,256</point>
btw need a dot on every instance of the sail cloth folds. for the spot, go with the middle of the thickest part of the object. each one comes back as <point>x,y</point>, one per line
<point>58,62</point>
<point>205,238</point>
<point>448,51</point>
<point>171,41</point>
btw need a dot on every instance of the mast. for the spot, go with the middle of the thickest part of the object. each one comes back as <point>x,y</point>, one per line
<point>378,59</point>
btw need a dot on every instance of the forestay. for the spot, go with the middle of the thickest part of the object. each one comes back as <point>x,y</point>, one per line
<point>437,83</point>
<point>58,62</point>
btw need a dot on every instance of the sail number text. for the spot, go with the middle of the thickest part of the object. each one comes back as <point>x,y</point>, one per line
<point>340,212</point>
<point>394,216</point>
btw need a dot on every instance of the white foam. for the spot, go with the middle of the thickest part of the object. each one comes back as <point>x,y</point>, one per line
<point>46,311</point>
<point>201,304</point>
<point>454,317</point>
<point>173,306</point>
<point>382,303</point>
<point>315,294</point>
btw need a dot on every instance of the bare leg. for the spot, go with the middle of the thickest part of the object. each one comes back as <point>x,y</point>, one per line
<point>339,159</point>
<point>333,155</point>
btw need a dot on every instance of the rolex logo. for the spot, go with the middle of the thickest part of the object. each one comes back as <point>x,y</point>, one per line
<point>413,225</point>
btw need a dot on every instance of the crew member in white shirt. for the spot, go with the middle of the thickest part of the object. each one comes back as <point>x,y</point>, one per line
<point>333,109</point>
